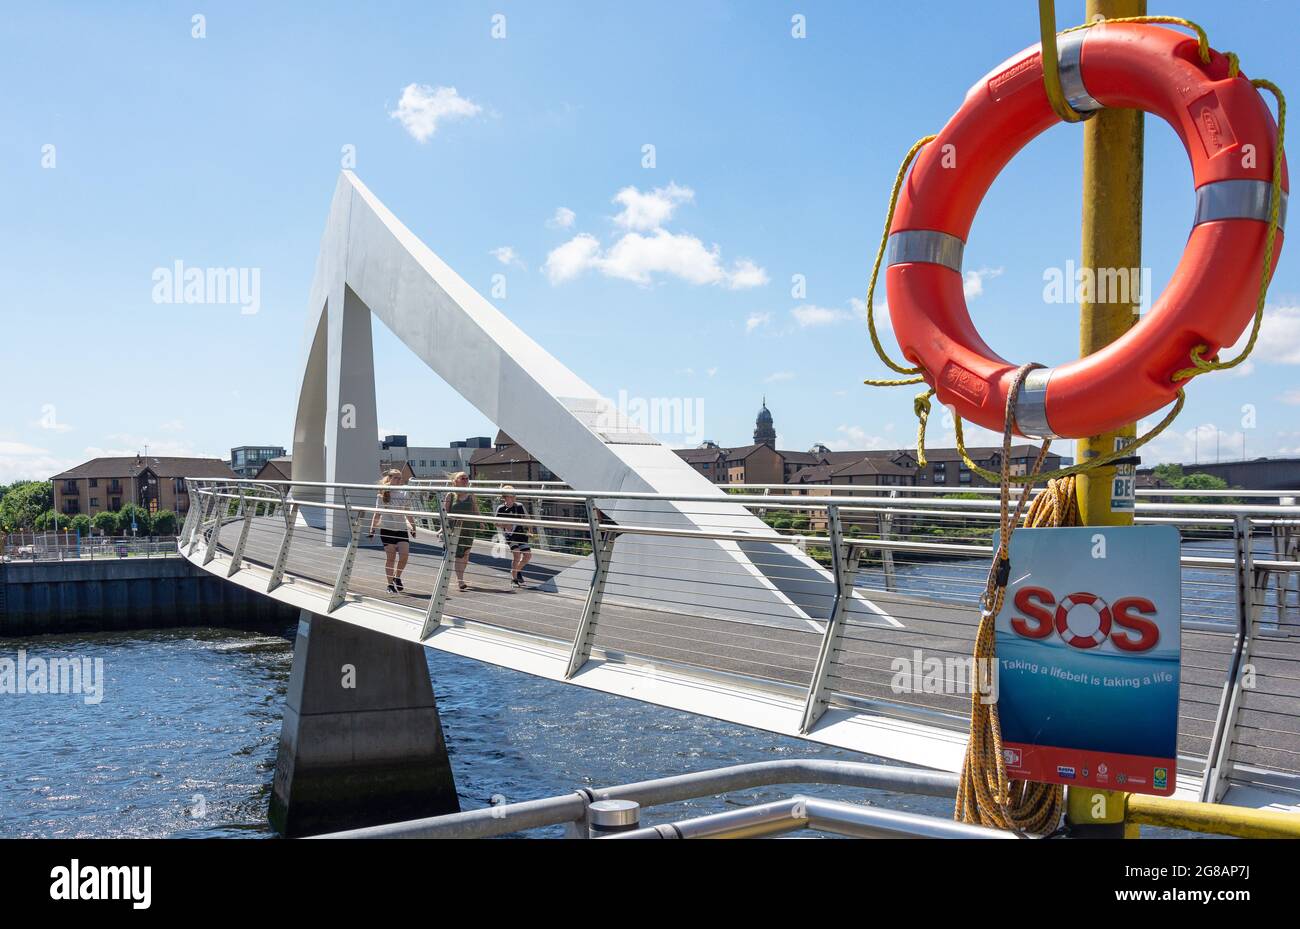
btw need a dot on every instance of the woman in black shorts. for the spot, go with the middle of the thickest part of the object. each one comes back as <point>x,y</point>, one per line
<point>517,535</point>
<point>462,504</point>
<point>395,529</point>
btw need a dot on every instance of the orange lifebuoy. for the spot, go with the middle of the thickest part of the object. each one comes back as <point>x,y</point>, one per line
<point>1230,137</point>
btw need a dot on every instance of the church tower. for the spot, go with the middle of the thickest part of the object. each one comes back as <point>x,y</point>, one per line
<point>764,431</point>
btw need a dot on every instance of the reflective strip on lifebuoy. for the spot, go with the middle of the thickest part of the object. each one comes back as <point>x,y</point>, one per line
<point>1063,620</point>
<point>1212,295</point>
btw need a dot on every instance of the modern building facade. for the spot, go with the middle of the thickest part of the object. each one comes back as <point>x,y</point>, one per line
<point>247,460</point>
<point>434,462</point>
<point>111,483</point>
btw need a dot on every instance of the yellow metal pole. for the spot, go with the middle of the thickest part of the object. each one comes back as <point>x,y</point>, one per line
<point>1112,259</point>
<point>1212,817</point>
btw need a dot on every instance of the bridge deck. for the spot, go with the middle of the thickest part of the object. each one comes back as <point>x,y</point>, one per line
<point>781,654</point>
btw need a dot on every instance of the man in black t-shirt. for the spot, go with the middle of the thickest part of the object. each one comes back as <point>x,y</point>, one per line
<point>516,535</point>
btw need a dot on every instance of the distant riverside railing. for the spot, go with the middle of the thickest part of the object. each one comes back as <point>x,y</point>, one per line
<point>922,556</point>
<point>59,546</point>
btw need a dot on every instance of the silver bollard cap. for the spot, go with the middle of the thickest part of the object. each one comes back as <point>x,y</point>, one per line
<point>614,813</point>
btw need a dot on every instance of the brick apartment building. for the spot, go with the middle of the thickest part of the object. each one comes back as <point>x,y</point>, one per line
<point>110,483</point>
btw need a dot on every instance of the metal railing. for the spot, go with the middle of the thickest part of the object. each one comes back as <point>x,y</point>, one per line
<point>767,819</point>
<point>60,546</point>
<point>895,576</point>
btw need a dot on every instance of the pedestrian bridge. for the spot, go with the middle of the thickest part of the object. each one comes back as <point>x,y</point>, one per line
<point>804,615</point>
<point>815,660</point>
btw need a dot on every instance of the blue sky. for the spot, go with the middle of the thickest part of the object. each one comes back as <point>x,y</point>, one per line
<point>773,158</point>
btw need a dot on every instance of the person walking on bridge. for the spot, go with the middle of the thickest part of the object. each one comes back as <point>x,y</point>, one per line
<point>516,534</point>
<point>462,503</point>
<point>395,529</point>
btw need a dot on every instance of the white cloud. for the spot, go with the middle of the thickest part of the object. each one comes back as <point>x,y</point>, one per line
<point>645,211</point>
<point>779,376</point>
<point>1291,398</point>
<point>1279,337</point>
<point>1201,443</point>
<point>572,258</point>
<point>506,255</point>
<point>563,218</point>
<point>973,281</point>
<point>853,438</point>
<point>422,107</point>
<point>648,249</point>
<point>809,315</point>
<point>22,462</point>
<point>638,258</point>
<point>172,425</point>
<point>711,371</point>
<point>756,321</point>
<point>879,312</point>
<point>745,274</point>
<point>126,445</point>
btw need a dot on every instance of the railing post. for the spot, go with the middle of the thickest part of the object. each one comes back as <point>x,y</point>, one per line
<point>237,554</point>
<point>1218,760</point>
<point>602,550</point>
<point>438,598</point>
<point>887,554</point>
<point>816,702</point>
<point>535,510</point>
<point>219,508</point>
<point>290,516</point>
<point>187,530</point>
<point>205,504</point>
<point>349,556</point>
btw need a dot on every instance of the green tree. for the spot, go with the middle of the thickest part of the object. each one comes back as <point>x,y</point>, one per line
<point>164,523</point>
<point>81,524</point>
<point>24,502</point>
<point>105,522</point>
<point>133,512</point>
<point>1171,474</point>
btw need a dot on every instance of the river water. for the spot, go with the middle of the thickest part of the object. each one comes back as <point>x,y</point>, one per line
<point>183,742</point>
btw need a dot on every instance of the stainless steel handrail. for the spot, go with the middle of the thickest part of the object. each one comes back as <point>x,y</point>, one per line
<point>955,532</point>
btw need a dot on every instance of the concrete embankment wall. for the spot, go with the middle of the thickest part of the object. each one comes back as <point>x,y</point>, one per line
<point>127,593</point>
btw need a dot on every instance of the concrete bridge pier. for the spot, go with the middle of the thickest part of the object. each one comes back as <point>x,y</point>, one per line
<point>361,742</point>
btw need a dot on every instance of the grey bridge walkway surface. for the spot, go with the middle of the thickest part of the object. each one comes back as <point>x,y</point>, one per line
<point>781,655</point>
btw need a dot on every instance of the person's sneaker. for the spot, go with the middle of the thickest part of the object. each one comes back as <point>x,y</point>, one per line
<point>392,588</point>
<point>397,582</point>
<point>517,581</point>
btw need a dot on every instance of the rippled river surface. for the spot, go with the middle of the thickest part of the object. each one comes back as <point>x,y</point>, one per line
<point>183,743</point>
<point>184,740</point>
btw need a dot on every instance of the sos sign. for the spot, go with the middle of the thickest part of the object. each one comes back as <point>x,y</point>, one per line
<point>1129,623</point>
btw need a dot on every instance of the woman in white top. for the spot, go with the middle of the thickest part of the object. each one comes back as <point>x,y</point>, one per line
<point>395,529</point>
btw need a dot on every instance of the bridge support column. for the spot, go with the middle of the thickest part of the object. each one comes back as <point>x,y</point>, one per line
<point>361,743</point>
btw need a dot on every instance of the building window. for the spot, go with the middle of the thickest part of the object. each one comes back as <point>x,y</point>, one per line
<point>94,482</point>
<point>115,503</point>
